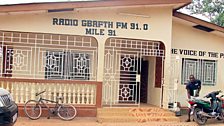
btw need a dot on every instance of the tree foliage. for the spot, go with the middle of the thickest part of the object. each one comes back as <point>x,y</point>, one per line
<point>212,9</point>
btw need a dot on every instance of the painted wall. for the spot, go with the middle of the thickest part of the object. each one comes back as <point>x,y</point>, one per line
<point>189,38</point>
<point>159,20</point>
<point>153,92</point>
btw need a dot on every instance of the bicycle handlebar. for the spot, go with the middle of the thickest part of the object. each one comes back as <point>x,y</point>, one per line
<point>40,92</point>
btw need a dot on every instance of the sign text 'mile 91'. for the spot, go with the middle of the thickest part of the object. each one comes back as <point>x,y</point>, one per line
<point>94,27</point>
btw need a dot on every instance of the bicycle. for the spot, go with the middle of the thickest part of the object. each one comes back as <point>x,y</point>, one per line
<point>33,108</point>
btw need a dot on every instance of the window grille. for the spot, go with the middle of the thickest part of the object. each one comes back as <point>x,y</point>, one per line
<point>66,65</point>
<point>204,70</point>
<point>49,56</point>
<point>55,65</point>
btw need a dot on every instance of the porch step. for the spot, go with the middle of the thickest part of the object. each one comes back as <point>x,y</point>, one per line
<point>140,120</point>
<point>146,114</point>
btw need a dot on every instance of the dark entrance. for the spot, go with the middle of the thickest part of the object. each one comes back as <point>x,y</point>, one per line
<point>144,81</point>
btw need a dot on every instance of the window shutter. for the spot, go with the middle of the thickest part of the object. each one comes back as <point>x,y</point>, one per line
<point>7,61</point>
<point>159,68</point>
<point>158,73</point>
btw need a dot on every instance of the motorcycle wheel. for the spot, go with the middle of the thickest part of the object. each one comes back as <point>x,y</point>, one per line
<point>200,119</point>
<point>221,117</point>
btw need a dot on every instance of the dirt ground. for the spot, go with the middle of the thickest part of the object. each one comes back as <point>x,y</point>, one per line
<point>85,121</point>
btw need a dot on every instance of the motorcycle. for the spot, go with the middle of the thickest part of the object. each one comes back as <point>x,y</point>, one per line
<point>202,110</point>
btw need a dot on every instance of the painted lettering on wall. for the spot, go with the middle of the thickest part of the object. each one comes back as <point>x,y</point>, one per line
<point>94,27</point>
<point>190,52</point>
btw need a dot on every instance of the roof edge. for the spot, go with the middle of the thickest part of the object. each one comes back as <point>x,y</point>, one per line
<point>85,4</point>
<point>198,21</point>
<point>182,6</point>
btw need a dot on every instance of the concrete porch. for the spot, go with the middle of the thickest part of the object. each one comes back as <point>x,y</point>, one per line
<point>144,113</point>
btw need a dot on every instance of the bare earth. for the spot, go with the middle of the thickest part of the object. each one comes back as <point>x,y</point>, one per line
<point>84,121</point>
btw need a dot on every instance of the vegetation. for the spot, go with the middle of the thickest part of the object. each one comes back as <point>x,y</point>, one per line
<point>212,9</point>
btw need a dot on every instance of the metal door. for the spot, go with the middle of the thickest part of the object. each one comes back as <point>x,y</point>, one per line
<point>122,67</point>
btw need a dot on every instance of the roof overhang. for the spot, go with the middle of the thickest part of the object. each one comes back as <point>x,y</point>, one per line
<point>199,24</point>
<point>89,4</point>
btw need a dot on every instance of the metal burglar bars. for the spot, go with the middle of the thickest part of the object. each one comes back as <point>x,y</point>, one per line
<point>171,90</point>
<point>205,70</point>
<point>122,69</point>
<point>32,62</point>
<point>49,56</point>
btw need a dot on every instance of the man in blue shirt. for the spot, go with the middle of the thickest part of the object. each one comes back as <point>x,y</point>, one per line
<point>193,88</point>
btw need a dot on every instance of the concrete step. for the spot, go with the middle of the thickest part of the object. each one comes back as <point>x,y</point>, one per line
<point>146,114</point>
<point>121,110</point>
<point>134,119</point>
<point>149,114</point>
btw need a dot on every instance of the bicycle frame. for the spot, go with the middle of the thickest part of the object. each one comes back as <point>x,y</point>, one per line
<point>64,111</point>
<point>57,104</point>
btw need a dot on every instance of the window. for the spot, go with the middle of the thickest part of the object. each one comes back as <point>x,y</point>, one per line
<point>79,66</point>
<point>55,65</point>
<point>204,70</point>
<point>67,65</point>
<point>7,59</point>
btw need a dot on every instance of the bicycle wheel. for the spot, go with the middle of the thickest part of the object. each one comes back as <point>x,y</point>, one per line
<point>32,109</point>
<point>67,112</point>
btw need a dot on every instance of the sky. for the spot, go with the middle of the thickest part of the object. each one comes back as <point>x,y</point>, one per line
<point>4,2</point>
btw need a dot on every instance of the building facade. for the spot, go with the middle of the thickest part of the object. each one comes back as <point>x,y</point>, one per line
<point>141,52</point>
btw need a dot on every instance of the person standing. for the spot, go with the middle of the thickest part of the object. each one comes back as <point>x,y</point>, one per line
<point>193,89</point>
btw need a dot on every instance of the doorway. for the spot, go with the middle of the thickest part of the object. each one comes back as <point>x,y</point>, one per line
<point>125,72</point>
<point>144,81</point>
